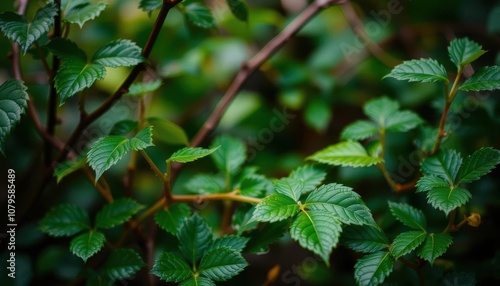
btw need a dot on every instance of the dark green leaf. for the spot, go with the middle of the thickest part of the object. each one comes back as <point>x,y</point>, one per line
<point>119,53</point>
<point>463,51</point>
<point>199,15</point>
<point>408,215</point>
<point>448,199</point>
<point>239,8</point>
<point>66,50</point>
<point>122,264</point>
<point>230,156</point>
<point>123,127</point>
<point>292,188</point>
<point>373,268</point>
<point>87,244</point>
<point>275,207</point>
<point>406,242</point>
<point>254,185</point>
<point>427,183</point>
<point>435,245</point>
<point>116,213</point>
<point>359,130</point>
<point>423,70</point>
<point>445,165</point>
<point>67,167</point>
<point>233,242</point>
<point>141,88</point>
<point>221,264</point>
<point>197,281</point>
<point>84,12</point>
<point>65,220</point>
<point>347,153</point>
<point>169,132</point>
<point>366,238</point>
<point>190,154</point>
<point>262,237</point>
<point>311,175</point>
<point>171,268</point>
<point>478,164</point>
<point>206,184</point>
<point>172,218</point>
<point>150,5</point>
<point>142,139</point>
<point>318,115</point>
<point>195,237</point>
<point>487,78</point>
<point>105,152</point>
<point>13,103</point>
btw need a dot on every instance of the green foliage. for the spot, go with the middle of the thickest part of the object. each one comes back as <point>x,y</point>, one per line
<point>65,220</point>
<point>408,215</point>
<point>406,242</point>
<point>116,213</point>
<point>68,167</point>
<point>366,239</point>
<point>464,51</point>
<point>310,175</point>
<point>13,103</point>
<point>142,88</point>
<point>122,264</point>
<point>486,78</point>
<point>239,8</point>
<point>230,156</point>
<point>168,132</point>
<point>150,5</point>
<point>87,244</point>
<point>434,246</point>
<point>199,15</point>
<point>188,154</point>
<point>347,153</point>
<point>171,219</point>
<point>81,11</point>
<point>372,269</point>
<point>275,207</point>
<point>423,70</point>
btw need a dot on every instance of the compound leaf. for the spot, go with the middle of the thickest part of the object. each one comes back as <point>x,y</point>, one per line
<point>406,242</point>
<point>76,75</point>
<point>372,269</point>
<point>347,153</point>
<point>366,238</point>
<point>423,70</point>
<point>171,268</point>
<point>221,263</point>
<point>380,109</point>
<point>119,53</point>
<point>13,103</point>
<point>463,51</point>
<point>116,213</point>
<point>448,199</point>
<point>478,164</point>
<point>310,175</point>
<point>122,264</point>
<point>487,78</point>
<point>427,183</point>
<point>289,187</point>
<point>105,152</point>
<point>195,237</point>
<point>275,207</point>
<point>434,246</point>
<point>172,218</point>
<point>408,215</point>
<point>445,165</point>
<point>65,220</point>
<point>87,244</point>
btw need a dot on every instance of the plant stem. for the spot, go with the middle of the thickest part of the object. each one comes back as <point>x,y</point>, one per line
<point>451,227</point>
<point>153,166</point>
<point>233,196</point>
<point>417,267</point>
<point>102,189</point>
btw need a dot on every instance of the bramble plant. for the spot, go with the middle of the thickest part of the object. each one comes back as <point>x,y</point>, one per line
<point>115,237</point>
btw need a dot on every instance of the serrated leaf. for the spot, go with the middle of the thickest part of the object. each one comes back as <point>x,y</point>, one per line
<point>342,202</point>
<point>448,199</point>
<point>243,219</point>
<point>197,281</point>
<point>169,132</point>
<point>17,29</point>
<point>119,53</point>
<point>423,70</point>
<point>487,78</point>
<point>380,109</point>
<point>199,15</point>
<point>195,237</point>
<point>122,264</point>
<point>123,127</point>
<point>406,242</point>
<point>84,12</point>
<point>76,75</point>
<point>221,264</point>
<point>427,183</point>
<point>478,164</point>
<point>311,175</point>
<point>171,268</point>
<point>445,165</point>
<point>463,51</point>
<point>13,103</point>
<point>141,88</point>
<point>262,237</point>
<point>68,167</point>
<point>66,49</point>
<point>65,220</point>
<point>366,238</point>
<point>372,269</point>
<point>403,121</point>
<point>230,156</point>
<point>275,207</point>
<point>236,243</point>
<point>190,154</point>
<point>143,139</point>
<point>254,185</point>
<point>408,215</point>
<point>347,154</point>
<point>116,213</point>
<point>239,8</point>
<point>206,184</point>
<point>87,244</point>
<point>435,245</point>
<point>292,188</point>
<point>317,231</point>
<point>172,218</point>
<point>359,130</point>
<point>150,5</point>
<point>105,152</point>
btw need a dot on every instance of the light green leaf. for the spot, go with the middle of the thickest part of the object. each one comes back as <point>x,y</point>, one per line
<point>423,70</point>
<point>206,184</point>
<point>105,152</point>
<point>13,103</point>
<point>487,78</point>
<point>233,242</point>
<point>65,168</point>
<point>311,175</point>
<point>448,199</point>
<point>230,156</point>
<point>463,51</point>
<point>17,29</point>
<point>318,115</point>
<point>65,220</point>
<point>435,245</point>
<point>122,264</point>
<point>406,242</point>
<point>116,213</point>
<point>197,281</point>
<point>366,238</point>
<point>139,89</point>
<point>403,121</point>
<point>380,109</point>
<point>275,207</point>
<point>254,185</point>
<point>427,183</point>
<point>359,130</point>
<point>123,127</point>
<point>372,269</point>
<point>171,268</point>
<point>190,154</point>
<point>221,264</point>
<point>408,215</point>
<point>239,8</point>
<point>347,154</point>
<point>66,50</point>
<point>119,53</point>
<point>142,139</point>
<point>172,218</point>
<point>445,165</point>
<point>317,231</point>
<point>87,244</point>
<point>169,132</point>
<point>195,237</point>
<point>289,187</point>
<point>342,202</point>
<point>150,5</point>
<point>84,12</point>
<point>199,15</point>
<point>478,164</point>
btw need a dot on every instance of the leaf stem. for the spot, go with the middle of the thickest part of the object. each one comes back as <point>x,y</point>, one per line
<point>451,227</point>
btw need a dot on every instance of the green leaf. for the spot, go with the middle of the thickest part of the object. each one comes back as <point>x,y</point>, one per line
<point>66,50</point>
<point>141,88</point>
<point>199,15</point>
<point>236,243</point>
<point>275,207</point>
<point>206,184</point>
<point>87,244</point>
<point>142,139</point>
<point>116,213</point>
<point>342,202</point>
<point>65,168</point>
<point>122,264</point>
<point>366,238</point>
<point>423,70</point>
<point>195,237</point>
<point>317,231</point>
<point>435,245</point>
<point>403,121</point>
<point>150,5</point>
<point>239,8</point>
<point>105,152</point>
<point>381,109</point>
<point>172,218</point>
<point>408,215</point>
<point>262,237</point>
<point>190,154</point>
<point>243,219</point>
<point>487,78</point>
<point>292,188</point>
<point>406,242</point>
<point>254,185</point>
<point>197,281</point>
<point>310,175</point>
<point>123,127</point>
<point>171,268</point>
<point>445,165</point>
<point>448,199</point>
<point>84,12</point>
<point>119,53</point>
<point>427,183</point>
<point>169,132</point>
<point>76,75</point>
<point>463,51</point>
<point>230,156</point>
<point>13,103</point>
<point>318,114</point>
<point>65,220</point>
<point>221,264</point>
<point>372,269</point>
<point>347,154</point>
<point>478,164</point>
<point>17,29</point>
<point>359,130</point>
